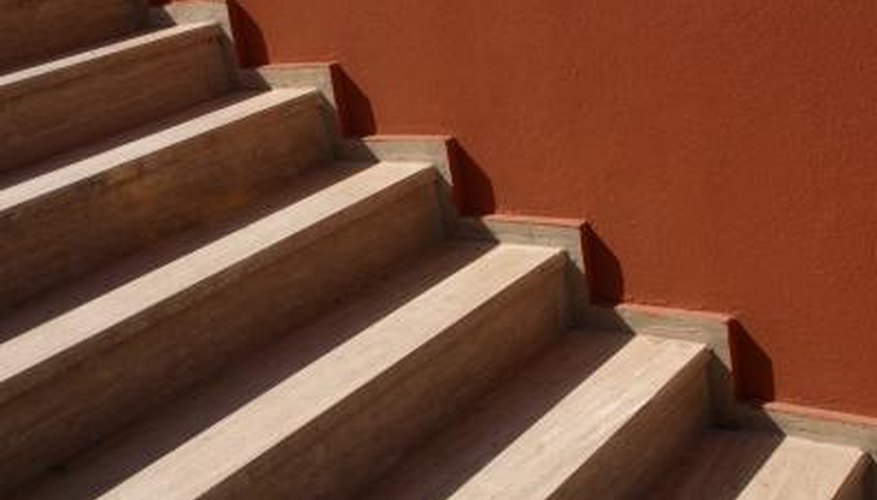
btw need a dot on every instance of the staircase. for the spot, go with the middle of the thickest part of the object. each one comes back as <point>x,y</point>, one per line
<point>198,299</point>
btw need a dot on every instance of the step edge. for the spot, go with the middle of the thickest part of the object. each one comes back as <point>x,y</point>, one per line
<point>814,424</point>
<point>58,71</point>
<point>550,486</point>
<point>858,483</point>
<point>694,366</point>
<point>567,234</point>
<point>551,260</point>
<point>29,375</point>
<point>130,21</point>
<point>140,150</point>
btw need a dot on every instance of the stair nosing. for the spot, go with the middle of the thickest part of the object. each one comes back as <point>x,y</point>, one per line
<point>695,361</point>
<point>26,363</point>
<point>132,154</point>
<point>511,281</point>
<point>55,71</point>
<point>520,449</point>
<point>744,461</point>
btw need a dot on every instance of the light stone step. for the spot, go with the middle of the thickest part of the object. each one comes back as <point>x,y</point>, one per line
<point>331,405</point>
<point>741,465</point>
<point>72,377</point>
<point>597,416</point>
<point>80,211</point>
<point>69,102</point>
<point>32,30</point>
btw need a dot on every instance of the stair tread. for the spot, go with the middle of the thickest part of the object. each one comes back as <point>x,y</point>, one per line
<point>749,465</point>
<point>322,200</point>
<point>20,175</point>
<point>77,50</point>
<point>528,438</point>
<point>39,30</point>
<point>70,65</point>
<point>68,170</point>
<point>230,421</point>
<point>79,292</point>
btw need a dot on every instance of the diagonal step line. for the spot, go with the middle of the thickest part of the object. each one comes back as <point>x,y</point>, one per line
<point>611,397</point>
<point>304,397</point>
<point>300,223</point>
<point>132,154</point>
<point>70,64</point>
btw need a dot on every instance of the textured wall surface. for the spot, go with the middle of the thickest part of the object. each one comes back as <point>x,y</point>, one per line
<point>724,151</point>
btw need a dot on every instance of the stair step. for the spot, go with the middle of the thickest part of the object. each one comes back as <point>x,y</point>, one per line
<point>67,379</point>
<point>739,465</point>
<point>79,211</point>
<point>328,407</point>
<point>37,29</point>
<point>69,102</point>
<point>594,417</point>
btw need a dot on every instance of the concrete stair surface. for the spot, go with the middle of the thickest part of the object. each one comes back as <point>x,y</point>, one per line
<point>200,299</point>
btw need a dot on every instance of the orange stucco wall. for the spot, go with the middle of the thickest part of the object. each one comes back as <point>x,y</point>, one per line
<point>725,151</point>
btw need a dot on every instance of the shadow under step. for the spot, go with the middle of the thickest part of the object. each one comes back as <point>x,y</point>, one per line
<point>69,375</point>
<point>596,416</point>
<point>329,407</point>
<point>35,30</point>
<point>80,211</point>
<point>69,102</point>
<point>741,465</point>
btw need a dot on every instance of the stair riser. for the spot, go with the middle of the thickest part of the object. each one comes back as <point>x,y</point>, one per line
<point>646,447</point>
<point>860,484</point>
<point>38,29</point>
<point>66,233</point>
<point>151,358</point>
<point>361,438</point>
<point>56,111</point>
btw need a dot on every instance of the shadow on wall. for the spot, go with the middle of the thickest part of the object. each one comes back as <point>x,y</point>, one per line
<point>251,47</point>
<point>354,108</point>
<point>753,368</point>
<point>605,278</point>
<point>473,188</point>
<point>753,377</point>
<point>358,119</point>
<point>474,194</point>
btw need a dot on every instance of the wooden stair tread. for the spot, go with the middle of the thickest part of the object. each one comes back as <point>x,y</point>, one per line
<point>24,357</point>
<point>529,438</point>
<point>63,173</point>
<point>742,465</point>
<point>71,66</point>
<point>284,389</point>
